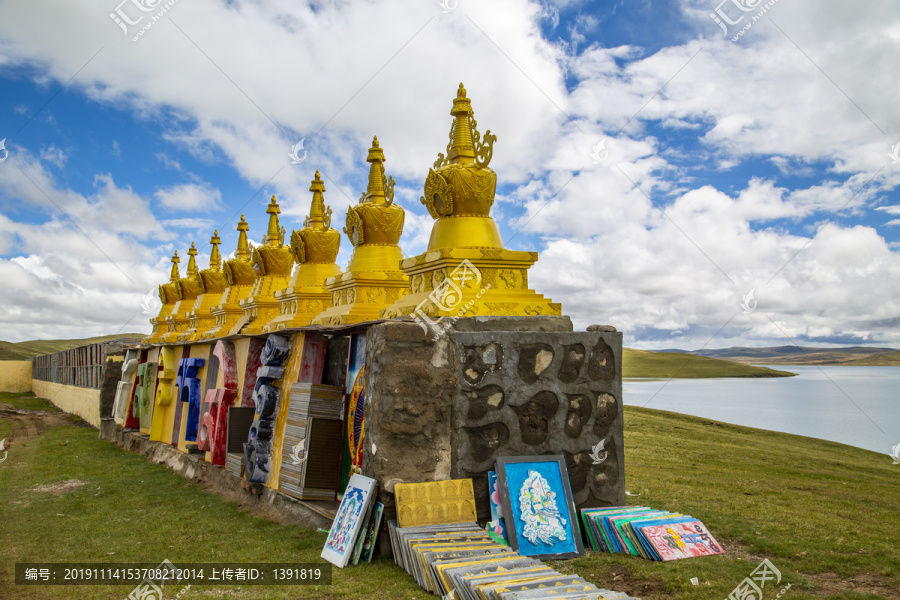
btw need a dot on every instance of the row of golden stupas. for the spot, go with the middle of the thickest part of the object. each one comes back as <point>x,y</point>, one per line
<point>465,267</point>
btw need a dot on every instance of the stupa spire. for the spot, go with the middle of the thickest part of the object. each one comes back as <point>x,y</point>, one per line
<point>274,235</point>
<point>466,146</point>
<point>461,150</point>
<point>215,259</point>
<point>175,276</point>
<point>317,209</point>
<point>375,193</point>
<point>243,248</point>
<point>192,262</point>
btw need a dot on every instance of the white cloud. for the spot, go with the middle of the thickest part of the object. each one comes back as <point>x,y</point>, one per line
<point>633,241</point>
<point>82,252</point>
<point>190,197</point>
<point>54,156</point>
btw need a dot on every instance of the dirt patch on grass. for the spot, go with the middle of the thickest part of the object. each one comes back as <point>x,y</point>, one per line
<point>30,423</point>
<point>828,584</point>
<point>623,580</point>
<point>60,487</point>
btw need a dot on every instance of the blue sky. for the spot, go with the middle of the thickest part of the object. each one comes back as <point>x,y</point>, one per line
<point>761,164</point>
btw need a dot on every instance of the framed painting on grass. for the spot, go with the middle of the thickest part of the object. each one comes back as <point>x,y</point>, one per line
<point>349,520</point>
<point>538,507</point>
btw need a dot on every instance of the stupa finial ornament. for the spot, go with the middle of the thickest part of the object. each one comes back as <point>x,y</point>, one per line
<point>168,296</point>
<point>239,279</point>
<point>212,285</point>
<point>273,261</point>
<point>192,261</point>
<point>275,233</point>
<point>314,248</point>
<point>319,215</point>
<point>243,247</point>
<point>375,220</point>
<point>317,242</point>
<point>215,259</point>
<point>175,275</point>
<point>465,145</point>
<point>373,278</point>
<point>466,269</point>
<point>459,190</point>
<point>168,292</point>
<point>380,190</point>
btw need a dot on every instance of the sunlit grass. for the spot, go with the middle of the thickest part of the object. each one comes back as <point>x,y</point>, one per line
<point>818,510</point>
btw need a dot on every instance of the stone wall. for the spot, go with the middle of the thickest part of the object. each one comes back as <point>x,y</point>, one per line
<point>15,376</point>
<point>490,387</point>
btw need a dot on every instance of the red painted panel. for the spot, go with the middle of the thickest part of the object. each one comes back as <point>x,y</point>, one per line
<point>312,362</point>
<point>224,351</point>
<point>253,363</point>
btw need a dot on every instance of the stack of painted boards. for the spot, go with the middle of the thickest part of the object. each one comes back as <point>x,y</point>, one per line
<point>652,534</point>
<point>311,452</point>
<point>438,542</point>
<point>461,561</point>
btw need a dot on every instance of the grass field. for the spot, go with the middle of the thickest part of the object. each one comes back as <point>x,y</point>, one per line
<point>826,515</point>
<point>668,365</point>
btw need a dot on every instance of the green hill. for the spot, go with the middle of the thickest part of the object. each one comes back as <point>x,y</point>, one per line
<point>858,356</point>
<point>682,365</point>
<point>886,359</point>
<point>26,350</point>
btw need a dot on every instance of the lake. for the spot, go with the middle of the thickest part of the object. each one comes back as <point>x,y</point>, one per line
<point>859,406</point>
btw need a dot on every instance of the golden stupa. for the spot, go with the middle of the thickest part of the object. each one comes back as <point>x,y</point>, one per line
<point>168,295</point>
<point>188,288</point>
<point>373,279</point>
<point>466,270</point>
<point>240,277</point>
<point>315,248</point>
<point>274,262</point>
<point>212,281</point>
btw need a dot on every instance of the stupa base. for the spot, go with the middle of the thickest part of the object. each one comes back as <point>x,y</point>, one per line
<point>470,282</point>
<point>359,297</point>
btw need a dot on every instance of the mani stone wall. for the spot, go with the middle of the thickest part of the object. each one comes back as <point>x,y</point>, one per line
<point>490,387</point>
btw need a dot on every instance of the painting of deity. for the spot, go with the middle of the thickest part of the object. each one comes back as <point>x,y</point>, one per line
<point>537,506</point>
<point>349,520</point>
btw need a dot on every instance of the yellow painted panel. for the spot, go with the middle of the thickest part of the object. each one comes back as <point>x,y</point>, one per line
<point>165,392</point>
<point>241,350</point>
<point>291,373</point>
